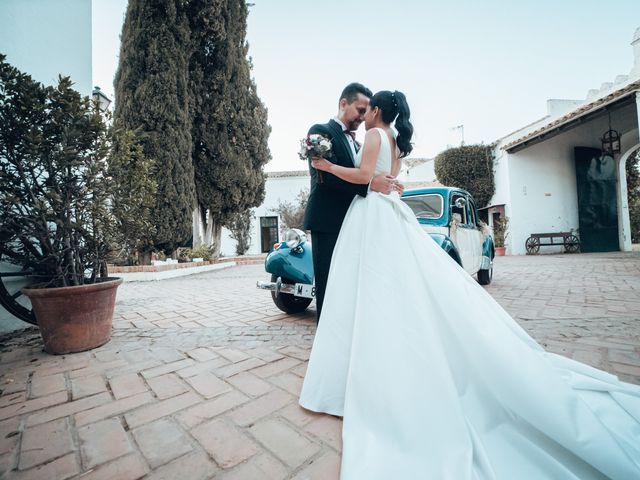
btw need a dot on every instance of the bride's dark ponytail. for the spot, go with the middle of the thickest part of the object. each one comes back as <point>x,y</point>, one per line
<point>394,106</point>
<point>403,125</point>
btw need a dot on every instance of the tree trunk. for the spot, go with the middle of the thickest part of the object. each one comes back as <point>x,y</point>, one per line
<point>144,258</point>
<point>198,226</point>
<point>213,234</point>
<point>104,270</point>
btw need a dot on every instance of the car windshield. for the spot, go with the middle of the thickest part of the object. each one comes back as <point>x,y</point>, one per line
<point>425,206</point>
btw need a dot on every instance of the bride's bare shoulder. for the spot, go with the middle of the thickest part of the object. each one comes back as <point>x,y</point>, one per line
<point>372,136</point>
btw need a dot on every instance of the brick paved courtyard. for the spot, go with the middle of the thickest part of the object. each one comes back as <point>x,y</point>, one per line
<point>202,375</point>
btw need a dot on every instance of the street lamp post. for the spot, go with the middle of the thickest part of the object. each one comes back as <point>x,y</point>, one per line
<point>101,99</point>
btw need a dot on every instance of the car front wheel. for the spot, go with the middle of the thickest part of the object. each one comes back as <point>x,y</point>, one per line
<point>286,302</point>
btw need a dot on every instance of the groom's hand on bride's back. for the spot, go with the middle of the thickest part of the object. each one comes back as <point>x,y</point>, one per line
<point>385,184</point>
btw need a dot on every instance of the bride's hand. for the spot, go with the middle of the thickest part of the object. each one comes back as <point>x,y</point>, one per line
<point>321,164</point>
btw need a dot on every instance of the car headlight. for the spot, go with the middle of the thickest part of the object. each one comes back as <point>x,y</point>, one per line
<point>294,237</point>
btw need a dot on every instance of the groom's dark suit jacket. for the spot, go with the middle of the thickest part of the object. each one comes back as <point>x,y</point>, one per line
<point>329,201</point>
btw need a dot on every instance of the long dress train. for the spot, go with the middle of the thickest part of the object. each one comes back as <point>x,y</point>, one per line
<point>436,381</point>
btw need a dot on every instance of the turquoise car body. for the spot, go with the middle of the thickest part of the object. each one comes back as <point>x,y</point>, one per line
<point>294,264</point>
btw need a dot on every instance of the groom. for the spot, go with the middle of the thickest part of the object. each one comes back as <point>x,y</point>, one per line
<point>329,196</point>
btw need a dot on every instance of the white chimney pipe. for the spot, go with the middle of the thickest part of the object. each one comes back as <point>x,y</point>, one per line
<point>635,43</point>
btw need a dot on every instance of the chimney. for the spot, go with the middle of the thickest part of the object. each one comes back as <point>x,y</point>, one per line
<point>635,43</point>
<point>558,107</point>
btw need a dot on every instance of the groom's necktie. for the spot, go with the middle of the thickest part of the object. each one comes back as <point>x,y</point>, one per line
<point>352,134</point>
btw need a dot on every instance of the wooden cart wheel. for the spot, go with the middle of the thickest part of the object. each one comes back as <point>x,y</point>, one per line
<point>532,245</point>
<point>12,281</point>
<point>571,244</point>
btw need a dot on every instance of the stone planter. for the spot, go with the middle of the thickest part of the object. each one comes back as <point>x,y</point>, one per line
<point>500,251</point>
<point>74,319</point>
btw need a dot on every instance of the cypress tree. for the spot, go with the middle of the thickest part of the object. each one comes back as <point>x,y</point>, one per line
<point>152,97</point>
<point>251,130</point>
<point>230,130</point>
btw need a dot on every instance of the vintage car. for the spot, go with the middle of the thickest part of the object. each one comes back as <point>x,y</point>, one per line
<point>450,217</point>
<point>447,214</point>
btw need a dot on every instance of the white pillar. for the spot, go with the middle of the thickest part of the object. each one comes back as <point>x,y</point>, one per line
<point>624,224</point>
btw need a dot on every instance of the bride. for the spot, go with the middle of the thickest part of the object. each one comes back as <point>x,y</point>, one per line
<point>433,378</point>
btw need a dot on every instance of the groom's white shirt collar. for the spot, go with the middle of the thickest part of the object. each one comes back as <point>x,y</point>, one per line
<point>352,144</point>
<point>344,127</point>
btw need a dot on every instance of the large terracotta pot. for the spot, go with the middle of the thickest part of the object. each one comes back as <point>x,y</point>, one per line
<point>500,251</point>
<point>73,319</point>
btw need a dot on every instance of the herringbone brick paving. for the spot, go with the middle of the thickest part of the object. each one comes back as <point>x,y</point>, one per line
<point>202,375</point>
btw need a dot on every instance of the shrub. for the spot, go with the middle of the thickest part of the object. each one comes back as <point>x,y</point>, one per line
<point>240,227</point>
<point>500,231</point>
<point>292,213</point>
<point>206,252</point>
<point>63,210</point>
<point>469,167</point>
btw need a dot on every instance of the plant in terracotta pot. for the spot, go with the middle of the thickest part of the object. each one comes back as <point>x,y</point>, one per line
<point>57,202</point>
<point>500,233</point>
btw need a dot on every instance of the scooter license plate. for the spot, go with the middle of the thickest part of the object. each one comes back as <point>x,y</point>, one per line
<point>305,290</point>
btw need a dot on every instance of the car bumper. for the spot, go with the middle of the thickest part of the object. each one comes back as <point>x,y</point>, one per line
<point>291,289</point>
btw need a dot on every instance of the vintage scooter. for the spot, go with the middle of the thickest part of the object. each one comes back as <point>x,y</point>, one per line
<point>291,267</point>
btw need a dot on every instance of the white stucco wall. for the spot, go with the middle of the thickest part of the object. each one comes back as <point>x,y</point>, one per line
<point>47,38</point>
<point>543,193</point>
<point>277,188</point>
<point>423,172</point>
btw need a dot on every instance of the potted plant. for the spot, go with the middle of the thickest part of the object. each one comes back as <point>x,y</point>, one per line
<point>57,200</point>
<point>500,233</point>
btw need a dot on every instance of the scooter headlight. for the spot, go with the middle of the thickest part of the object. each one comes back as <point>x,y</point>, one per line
<point>294,237</point>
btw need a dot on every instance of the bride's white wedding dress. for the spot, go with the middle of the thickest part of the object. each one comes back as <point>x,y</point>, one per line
<point>436,381</point>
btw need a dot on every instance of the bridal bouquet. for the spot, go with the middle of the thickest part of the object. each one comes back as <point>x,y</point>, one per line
<point>315,145</point>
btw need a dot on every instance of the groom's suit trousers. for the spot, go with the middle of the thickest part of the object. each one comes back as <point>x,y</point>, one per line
<point>323,244</point>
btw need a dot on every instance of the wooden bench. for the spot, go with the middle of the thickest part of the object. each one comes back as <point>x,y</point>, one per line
<point>568,240</point>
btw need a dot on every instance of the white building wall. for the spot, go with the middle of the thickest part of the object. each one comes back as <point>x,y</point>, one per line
<point>423,172</point>
<point>543,193</point>
<point>277,189</point>
<point>47,38</point>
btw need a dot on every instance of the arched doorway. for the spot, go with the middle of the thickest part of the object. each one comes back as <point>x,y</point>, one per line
<point>624,222</point>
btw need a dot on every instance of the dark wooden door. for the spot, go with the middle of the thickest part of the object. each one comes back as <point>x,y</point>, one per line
<point>597,204</point>
<point>268,233</point>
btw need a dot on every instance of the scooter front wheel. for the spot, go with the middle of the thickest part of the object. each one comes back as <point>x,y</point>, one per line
<point>289,303</point>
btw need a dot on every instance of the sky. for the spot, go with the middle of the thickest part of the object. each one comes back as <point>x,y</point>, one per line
<point>489,65</point>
